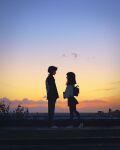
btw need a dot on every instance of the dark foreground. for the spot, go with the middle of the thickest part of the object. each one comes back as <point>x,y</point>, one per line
<point>64,147</point>
<point>62,138</point>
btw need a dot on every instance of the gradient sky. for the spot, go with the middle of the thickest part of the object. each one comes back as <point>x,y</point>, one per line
<point>75,35</point>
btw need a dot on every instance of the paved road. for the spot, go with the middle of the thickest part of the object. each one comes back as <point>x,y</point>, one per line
<point>59,139</point>
<point>31,133</point>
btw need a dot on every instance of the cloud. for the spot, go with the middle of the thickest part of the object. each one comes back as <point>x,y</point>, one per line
<point>31,104</point>
<point>35,106</point>
<point>116,82</point>
<point>105,89</point>
<point>64,55</point>
<point>75,55</point>
<point>90,58</point>
<point>93,101</point>
<point>87,105</point>
<point>44,97</point>
<point>94,105</point>
<point>7,84</point>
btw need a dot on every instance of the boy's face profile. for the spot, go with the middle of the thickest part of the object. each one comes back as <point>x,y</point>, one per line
<point>53,72</point>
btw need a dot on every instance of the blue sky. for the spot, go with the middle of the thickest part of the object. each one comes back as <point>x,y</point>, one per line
<point>53,27</point>
<point>61,21</point>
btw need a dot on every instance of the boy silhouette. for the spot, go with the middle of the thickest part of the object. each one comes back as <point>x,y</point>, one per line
<point>52,93</point>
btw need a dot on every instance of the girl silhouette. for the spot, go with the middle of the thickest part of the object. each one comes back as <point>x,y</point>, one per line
<point>69,94</point>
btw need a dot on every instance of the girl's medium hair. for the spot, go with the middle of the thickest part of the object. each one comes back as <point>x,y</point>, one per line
<point>71,79</point>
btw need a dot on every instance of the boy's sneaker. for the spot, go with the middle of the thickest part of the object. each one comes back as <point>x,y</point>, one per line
<point>53,127</point>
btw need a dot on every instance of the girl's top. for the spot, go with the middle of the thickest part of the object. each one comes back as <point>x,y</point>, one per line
<point>69,91</point>
<point>69,94</point>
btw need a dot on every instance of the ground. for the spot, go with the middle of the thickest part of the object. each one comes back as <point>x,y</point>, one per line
<point>68,138</point>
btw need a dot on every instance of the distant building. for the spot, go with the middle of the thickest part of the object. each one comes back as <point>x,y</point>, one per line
<point>114,113</point>
<point>100,113</point>
<point>110,110</point>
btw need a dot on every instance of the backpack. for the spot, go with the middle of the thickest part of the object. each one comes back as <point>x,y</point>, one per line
<point>76,90</point>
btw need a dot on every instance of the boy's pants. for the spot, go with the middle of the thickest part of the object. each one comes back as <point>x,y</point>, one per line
<point>51,109</point>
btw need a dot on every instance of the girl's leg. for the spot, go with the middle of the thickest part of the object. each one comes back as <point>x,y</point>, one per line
<point>77,113</point>
<point>71,113</point>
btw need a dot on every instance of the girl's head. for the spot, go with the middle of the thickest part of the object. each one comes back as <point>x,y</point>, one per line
<point>71,79</point>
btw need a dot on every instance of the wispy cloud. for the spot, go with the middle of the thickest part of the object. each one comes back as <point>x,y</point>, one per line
<point>34,106</point>
<point>116,82</point>
<point>75,55</point>
<point>93,105</point>
<point>105,89</point>
<point>93,101</point>
<point>44,97</point>
<point>90,58</point>
<point>64,55</point>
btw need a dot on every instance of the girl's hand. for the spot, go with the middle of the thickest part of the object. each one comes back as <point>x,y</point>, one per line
<point>64,95</point>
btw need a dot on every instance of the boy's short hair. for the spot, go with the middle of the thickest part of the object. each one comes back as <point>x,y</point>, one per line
<point>51,69</point>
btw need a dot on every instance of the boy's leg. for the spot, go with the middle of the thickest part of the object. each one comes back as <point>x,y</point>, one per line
<point>51,109</point>
<point>49,112</point>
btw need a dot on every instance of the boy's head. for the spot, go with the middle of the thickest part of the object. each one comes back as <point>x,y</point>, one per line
<point>52,70</point>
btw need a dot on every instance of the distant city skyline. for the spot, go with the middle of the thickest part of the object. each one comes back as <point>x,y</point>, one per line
<point>75,35</point>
